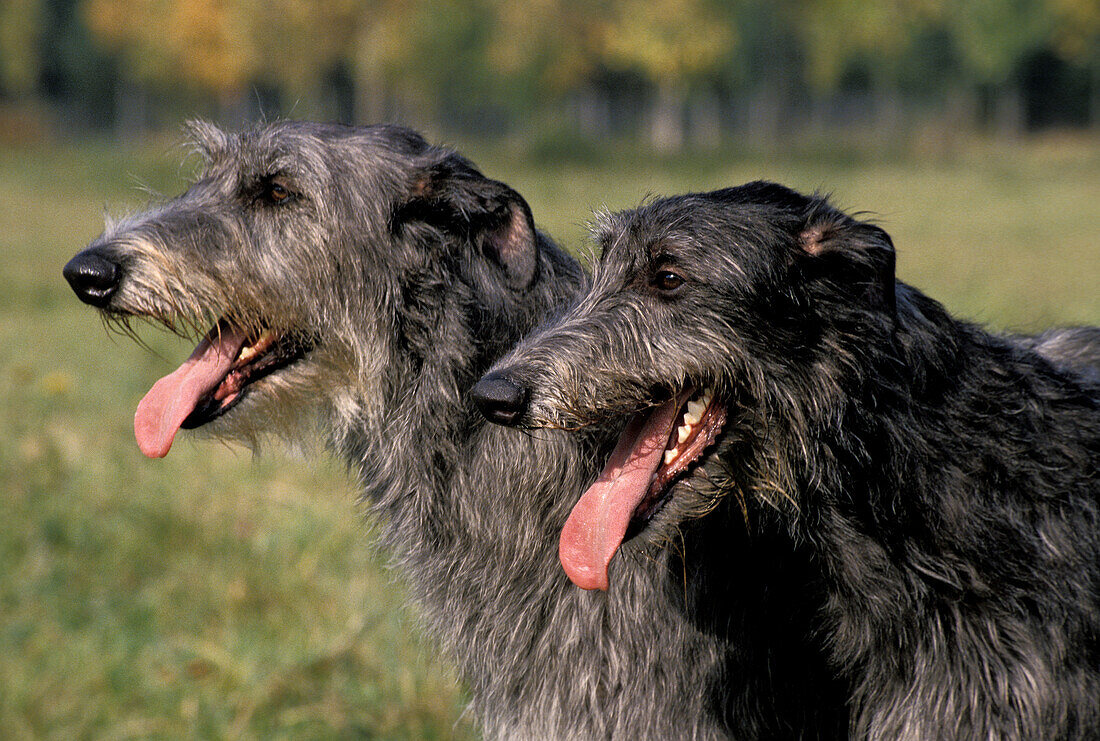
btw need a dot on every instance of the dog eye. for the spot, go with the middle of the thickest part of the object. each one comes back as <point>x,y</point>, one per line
<point>277,193</point>
<point>667,281</point>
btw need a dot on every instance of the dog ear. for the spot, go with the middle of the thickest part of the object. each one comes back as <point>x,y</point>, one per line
<point>855,253</point>
<point>450,194</point>
<point>208,140</point>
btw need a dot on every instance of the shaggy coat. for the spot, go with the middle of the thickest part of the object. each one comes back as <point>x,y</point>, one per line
<point>941,482</point>
<point>377,277</point>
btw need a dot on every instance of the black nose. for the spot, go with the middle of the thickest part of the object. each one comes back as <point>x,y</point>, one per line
<point>500,399</point>
<point>93,276</point>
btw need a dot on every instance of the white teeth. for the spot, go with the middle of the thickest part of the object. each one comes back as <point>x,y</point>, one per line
<point>261,343</point>
<point>694,412</point>
<point>247,354</point>
<point>692,415</point>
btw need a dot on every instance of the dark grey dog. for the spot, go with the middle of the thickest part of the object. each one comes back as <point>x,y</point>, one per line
<point>944,481</point>
<point>358,281</point>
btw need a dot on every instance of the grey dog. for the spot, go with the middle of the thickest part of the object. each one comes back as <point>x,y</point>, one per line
<point>941,481</point>
<point>351,284</point>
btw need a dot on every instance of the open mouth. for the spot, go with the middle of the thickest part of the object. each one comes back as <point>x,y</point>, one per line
<point>658,448</point>
<point>212,381</point>
<point>697,425</point>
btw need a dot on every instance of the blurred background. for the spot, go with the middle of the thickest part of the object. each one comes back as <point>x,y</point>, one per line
<point>664,74</point>
<point>217,595</point>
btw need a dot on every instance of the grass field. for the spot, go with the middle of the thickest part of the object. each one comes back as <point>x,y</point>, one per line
<point>214,595</point>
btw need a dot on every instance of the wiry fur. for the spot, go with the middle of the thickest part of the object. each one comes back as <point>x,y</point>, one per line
<point>942,482</point>
<point>413,272</point>
<point>1075,348</point>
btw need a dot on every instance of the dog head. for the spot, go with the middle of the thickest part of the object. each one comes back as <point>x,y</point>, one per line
<point>309,260</point>
<point>707,313</point>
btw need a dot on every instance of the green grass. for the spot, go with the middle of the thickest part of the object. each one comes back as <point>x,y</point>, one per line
<point>212,595</point>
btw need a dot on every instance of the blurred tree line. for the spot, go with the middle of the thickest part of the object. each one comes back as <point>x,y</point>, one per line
<point>668,72</point>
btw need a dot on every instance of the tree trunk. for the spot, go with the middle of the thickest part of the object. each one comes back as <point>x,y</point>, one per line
<point>1094,97</point>
<point>764,114</point>
<point>235,109</point>
<point>1008,115</point>
<point>706,121</point>
<point>667,123</point>
<point>369,78</point>
<point>131,109</point>
<point>370,95</point>
<point>593,112</point>
<point>889,118</point>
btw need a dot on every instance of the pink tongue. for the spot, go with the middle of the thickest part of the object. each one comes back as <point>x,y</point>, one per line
<point>162,411</point>
<point>598,522</point>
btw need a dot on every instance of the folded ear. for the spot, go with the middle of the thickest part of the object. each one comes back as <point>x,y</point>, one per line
<point>853,254</point>
<point>450,194</point>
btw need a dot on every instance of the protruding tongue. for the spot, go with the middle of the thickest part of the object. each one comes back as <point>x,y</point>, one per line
<point>599,520</point>
<point>172,398</point>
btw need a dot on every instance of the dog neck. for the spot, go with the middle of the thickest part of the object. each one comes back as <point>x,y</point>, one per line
<point>920,497</point>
